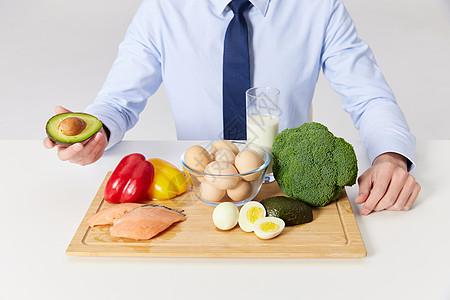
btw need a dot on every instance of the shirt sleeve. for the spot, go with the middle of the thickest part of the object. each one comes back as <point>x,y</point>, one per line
<point>134,76</point>
<point>350,67</point>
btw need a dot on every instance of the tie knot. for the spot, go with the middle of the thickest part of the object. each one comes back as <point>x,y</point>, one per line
<point>239,6</point>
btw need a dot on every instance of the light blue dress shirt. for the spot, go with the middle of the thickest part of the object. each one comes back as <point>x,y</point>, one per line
<point>180,43</point>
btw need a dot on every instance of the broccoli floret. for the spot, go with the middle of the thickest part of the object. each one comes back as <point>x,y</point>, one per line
<point>312,165</point>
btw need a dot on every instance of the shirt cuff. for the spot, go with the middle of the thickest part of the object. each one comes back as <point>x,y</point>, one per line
<point>116,130</point>
<point>395,146</point>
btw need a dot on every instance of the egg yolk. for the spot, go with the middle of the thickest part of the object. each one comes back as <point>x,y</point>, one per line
<point>269,227</point>
<point>255,213</point>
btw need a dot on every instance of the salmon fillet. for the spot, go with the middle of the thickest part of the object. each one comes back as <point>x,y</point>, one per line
<point>108,215</point>
<point>145,222</point>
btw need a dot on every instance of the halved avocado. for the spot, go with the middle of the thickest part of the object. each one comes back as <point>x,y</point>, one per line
<point>70,128</point>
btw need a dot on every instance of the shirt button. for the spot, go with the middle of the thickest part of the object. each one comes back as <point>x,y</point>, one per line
<point>227,8</point>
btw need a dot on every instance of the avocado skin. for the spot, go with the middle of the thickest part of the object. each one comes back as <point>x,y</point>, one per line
<point>51,128</point>
<point>292,211</point>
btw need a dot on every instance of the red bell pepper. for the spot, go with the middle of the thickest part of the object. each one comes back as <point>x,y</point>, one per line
<point>130,180</point>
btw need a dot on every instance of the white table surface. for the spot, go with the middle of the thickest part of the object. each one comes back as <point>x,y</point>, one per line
<point>43,201</point>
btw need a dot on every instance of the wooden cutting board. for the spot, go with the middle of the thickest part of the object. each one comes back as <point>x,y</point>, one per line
<point>332,233</point>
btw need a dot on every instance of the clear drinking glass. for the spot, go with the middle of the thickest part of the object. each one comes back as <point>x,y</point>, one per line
<point>263,118</point>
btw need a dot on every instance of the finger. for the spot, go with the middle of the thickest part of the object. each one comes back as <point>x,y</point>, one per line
<point>48,144</point>
<point>91,149</point>
<point>412,198</point>
<point>378,190</point>
<point>101,146</point>
<point>361,198</point>
<point>61,110</point>
<point>404,194</point>
<point>365,184</point>
<point>396,186</point>
<point>99,154</point>
<point>70,153</point>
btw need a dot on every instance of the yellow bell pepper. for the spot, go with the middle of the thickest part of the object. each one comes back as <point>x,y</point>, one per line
<point>168,181</point>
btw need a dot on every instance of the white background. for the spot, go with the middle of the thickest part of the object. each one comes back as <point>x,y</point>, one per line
<point>55,52</point>
<point>58,52</point>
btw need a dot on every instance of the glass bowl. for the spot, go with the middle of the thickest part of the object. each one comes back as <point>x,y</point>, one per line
<point>210,188</point>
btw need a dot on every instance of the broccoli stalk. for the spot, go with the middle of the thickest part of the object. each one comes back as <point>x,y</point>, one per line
<point>312,165</point>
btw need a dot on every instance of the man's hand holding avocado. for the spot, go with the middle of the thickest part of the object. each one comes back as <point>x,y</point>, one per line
<point>82,153</point>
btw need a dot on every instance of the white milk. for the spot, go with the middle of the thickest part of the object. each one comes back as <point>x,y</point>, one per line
<point>262,130</point>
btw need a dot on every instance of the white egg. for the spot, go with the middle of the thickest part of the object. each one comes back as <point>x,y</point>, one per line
<point>225,215</point>
<point>268,227</point>
<point>249,214</point>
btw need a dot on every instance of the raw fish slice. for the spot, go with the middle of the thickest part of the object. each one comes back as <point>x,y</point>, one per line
<point>108,215</point>
<point>145,222</point>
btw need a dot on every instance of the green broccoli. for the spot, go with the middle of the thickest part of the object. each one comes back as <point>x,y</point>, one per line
<point>312,165</point>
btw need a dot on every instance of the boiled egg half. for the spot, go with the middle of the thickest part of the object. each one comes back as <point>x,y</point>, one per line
<point>249,214</point>
<point>268,227</point>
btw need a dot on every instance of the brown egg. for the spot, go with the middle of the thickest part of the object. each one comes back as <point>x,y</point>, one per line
<point>221,168</point>
<point>246,161</point>
<point>210,193</point>
<point>224,144</point>
<point>241,191</point>
<point>225,155</point>
<point>197,158</point>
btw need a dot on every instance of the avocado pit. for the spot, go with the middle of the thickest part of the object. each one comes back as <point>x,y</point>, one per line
<point>71,126</point>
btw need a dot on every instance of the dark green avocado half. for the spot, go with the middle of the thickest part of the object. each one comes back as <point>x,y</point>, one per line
<point>292,211</point>
<point>70,128</point>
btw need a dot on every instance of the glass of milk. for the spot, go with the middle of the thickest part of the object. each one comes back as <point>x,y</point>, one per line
<point>263,118</point>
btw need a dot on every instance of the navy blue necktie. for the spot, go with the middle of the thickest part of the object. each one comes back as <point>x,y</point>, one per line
<point>236,73</point>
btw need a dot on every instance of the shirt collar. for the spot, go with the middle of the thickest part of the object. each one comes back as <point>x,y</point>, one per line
<point>220,5</point>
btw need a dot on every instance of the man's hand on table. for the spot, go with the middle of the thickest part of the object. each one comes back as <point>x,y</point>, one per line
<point>387,185</point>
<point>80,153</point>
